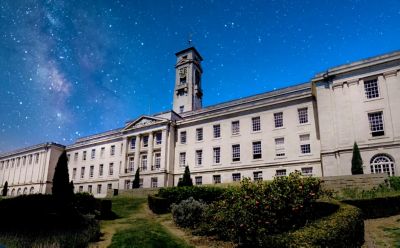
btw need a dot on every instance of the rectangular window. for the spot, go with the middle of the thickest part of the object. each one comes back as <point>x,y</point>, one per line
<point>257,150</point>
<point>102,150</point>
<point>280,147</point>
<point>216,179</point>
<point>307,171</point>
<point>217,131</point>
<point>303,115</point>
<point>145,141</point>
<point>371,88</point>
<point>91,171</point>
<point>84,155</point>
<point>109,186</point>
<point>112,150</point>
<point>127,184</point>
<point>98,188</point>
<point>73,173</point>
<point>154,182</point>
<point>235,127</point>
<point>199,134</point>
<point>278,119</point>
<point>157,160</point>
<point>181,109</point>
<point>89,189</point>
<point>217,155</point>
<point>80,188</point>
<point>376,124</point>
<point>182,159</point>
<point>101,168</point>
<point>199,157</point>
<point>258,176</point>
<point>158,138</point>
<point>144,163</point>
<point>183,137</point>
<point>235,153</point>
<point>131,164</point>
<point>236,177</point>
<point>141,183</point>
<point>93,155</point>
<point>280,173</point>
<point>198,180</point>
<point>111,169</point>
<point>305,147</point>
<point>133,143</point>
<point>256,123</point>
<point>82,172</point>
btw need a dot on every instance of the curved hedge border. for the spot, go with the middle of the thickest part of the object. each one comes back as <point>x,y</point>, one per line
<point>344,228</point>
<point>377,207</point>
<point>158,205</point>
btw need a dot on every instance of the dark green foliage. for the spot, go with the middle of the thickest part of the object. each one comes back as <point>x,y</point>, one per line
<point>377,207</point>
<point>62,189</point>
<point>158,205</point>
<point>259,209</point>
<point>5,189</point>
<point>188,213</point>
<point>343,228</point>
<point>394,183</point>
<point>356,161</point>
<point>186,180</point>
<point>85,203</point>
<point>136,181</point>
<point>207,194</point>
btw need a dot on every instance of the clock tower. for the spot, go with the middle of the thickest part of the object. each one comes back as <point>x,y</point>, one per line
<point>188,94</point>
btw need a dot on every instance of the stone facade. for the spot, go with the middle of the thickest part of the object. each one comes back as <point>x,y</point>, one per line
<point>310,127</point>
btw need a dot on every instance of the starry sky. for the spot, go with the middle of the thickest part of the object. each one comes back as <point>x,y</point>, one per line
<point>73,68</point>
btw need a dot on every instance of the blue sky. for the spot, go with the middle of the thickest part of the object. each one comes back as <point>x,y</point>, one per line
<point>74,68</point>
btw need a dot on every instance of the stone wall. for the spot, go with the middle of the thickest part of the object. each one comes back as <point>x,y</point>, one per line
<point>365,181</point>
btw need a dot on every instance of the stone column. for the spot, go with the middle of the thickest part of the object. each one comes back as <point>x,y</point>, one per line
<point>163,150</point>
<point>150,152</point>
<point>124,156</point>
<point>137,152</point>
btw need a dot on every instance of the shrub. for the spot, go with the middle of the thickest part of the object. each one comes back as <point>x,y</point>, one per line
<point>186,180</point>
<point>62,188</point>
<point>136,181</point>
<point>343,228</point>
<point>207,194</point>
<point>257,209</point>
<point>158,204</point>
<point>188,213</point>
<point>5,189</point>
<point>356,161</point>
<point>377,207</point>
<point>394,183</point>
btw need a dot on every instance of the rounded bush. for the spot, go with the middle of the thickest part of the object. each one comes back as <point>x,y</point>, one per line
<point>188,213</point>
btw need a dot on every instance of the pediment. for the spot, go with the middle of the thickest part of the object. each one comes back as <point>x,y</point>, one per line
<point>143,121</point>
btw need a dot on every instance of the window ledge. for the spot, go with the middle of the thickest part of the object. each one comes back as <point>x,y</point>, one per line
<point>256,159</point>
<point>304,124</point>
<point>372,99</point>
<point>282,157</point>
<point>278,128</point>
<point>255,132</point>
<point>219,138</point>
<point>305,154</point>
<point>235,135</point>
<point>378,137</point>
<point>236,162</point>
<point>199,141</point>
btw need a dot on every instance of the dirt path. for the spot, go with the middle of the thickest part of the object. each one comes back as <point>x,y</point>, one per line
<point>376,235</point>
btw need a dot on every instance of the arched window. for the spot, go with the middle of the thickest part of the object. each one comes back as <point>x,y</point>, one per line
<point>12,192</point>
<point>32,191</point>
<point>382,163</point>
<point>25,191</point>
<point>19,191</point>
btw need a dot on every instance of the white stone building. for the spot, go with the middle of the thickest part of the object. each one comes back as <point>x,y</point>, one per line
<point>309,127</point>
<point>30,170</point>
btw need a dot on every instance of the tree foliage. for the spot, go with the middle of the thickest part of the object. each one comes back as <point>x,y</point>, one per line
<point>62,187</point>
<point>136,181</point>
<point>5,189</point>
<point>356,161</point>
<point>186,180</point>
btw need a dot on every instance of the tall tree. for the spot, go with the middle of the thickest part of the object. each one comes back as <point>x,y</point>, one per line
<point>356,161</point>
<point>62,188</point>
<point>186,180</point>
<point>5,189</point>
<point>136,181</point>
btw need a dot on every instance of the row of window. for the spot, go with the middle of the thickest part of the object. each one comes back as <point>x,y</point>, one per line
<point>305,148</point>
<point>99,188</point>
<point>145,140</point>
<point>17,161</point>
<point>143,162</point>
<point>256,125</point>
<point>257,175</point>
<point>91,171</point>
<point>153,183</point>
<point>93,153</point>
<point>19,191</point>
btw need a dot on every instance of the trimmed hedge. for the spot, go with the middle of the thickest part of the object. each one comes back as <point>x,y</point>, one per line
<point>377,207</point>
<point>86,204</point>
<point>158,205</point>
<point>161,203</point>
<point>344,228</point>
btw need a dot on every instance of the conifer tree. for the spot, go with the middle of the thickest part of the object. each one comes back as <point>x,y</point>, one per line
<point>186,180</point>
<point>136,181</point>
<point>356,161</point>
<point>62,187</point>
<point>5,189</point>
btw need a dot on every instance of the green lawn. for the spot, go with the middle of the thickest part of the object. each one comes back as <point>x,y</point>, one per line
<point>137,227</point>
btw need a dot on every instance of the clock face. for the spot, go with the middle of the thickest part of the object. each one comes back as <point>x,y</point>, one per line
<point>182,72</point>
